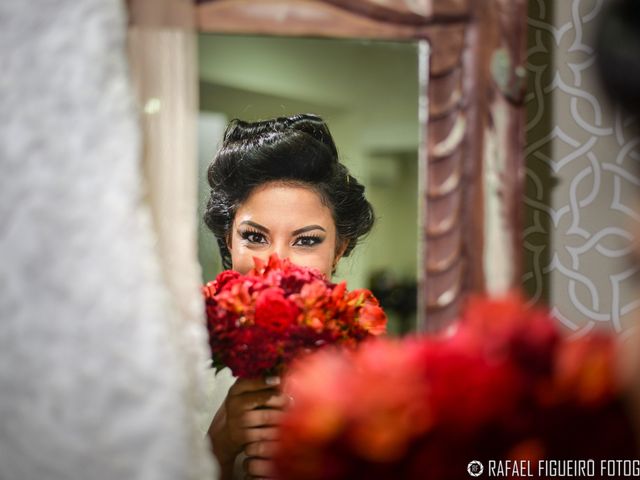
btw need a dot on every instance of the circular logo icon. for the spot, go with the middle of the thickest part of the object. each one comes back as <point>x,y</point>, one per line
<point>475,468</point>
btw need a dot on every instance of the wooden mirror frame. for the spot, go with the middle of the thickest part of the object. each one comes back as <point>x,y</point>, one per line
<point>471,117</point>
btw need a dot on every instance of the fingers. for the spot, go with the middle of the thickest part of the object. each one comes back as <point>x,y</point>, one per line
<point>238,405</point>
<point>252,435</point>
<point>262,398</point>
<point>259,467</point>
<point>247,424</point>
<point>267,417</point>
<point>264,449</point>
<point>253,410</point>
<point>243,385</point>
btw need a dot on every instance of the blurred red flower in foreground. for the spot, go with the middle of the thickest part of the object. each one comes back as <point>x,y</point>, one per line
<point>504,385</point>
<point>260,321</point>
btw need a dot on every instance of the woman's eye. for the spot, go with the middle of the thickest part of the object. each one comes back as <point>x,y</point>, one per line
<point>308,241</point>
<point>253,237</point>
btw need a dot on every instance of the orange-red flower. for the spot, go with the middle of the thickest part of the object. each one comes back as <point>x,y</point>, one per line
<point>373,319</point>
<point>583,370</point>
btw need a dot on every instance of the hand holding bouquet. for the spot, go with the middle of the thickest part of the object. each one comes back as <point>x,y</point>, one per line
<point>260,321</point>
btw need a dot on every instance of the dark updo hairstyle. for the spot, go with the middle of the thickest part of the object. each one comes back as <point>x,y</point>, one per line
<point>296,150</point>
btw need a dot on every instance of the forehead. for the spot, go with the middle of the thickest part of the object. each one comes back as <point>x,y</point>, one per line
<point>284,205</point>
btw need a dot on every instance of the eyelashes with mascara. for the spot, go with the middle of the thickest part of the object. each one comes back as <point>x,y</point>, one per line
<point>310,240</point>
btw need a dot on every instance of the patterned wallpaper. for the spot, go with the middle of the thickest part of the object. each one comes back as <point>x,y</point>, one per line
<point>582,177</point>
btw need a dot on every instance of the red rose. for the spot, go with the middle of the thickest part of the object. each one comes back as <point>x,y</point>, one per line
<point>273,311</point>
<point>223,278</point>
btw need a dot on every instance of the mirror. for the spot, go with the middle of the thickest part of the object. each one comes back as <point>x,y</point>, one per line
<point>470,110</point>
<point>377,133</point>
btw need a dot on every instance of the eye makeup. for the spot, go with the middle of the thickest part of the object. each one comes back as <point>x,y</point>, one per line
<point>252,236</point>
<point>257,237</point>
<point>308,241</point>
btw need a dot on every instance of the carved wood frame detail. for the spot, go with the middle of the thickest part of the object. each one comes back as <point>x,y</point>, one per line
<point>474,94</point>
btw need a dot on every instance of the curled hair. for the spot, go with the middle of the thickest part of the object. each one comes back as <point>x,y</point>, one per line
<point>298,150</point>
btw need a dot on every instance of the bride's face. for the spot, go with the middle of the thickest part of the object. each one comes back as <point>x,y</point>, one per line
<point>291,221</point>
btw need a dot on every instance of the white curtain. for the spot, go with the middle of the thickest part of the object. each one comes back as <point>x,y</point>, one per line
<point>101,341</point>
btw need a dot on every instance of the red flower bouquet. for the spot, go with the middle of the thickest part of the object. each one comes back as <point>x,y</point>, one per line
<point>260,321</point>
<point>504,386</point>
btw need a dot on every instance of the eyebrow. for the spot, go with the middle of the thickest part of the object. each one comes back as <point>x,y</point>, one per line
<point>308,228</point>
<point>296,232</point>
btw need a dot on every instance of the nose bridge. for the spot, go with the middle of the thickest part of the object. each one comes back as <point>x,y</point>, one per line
<point>281,247</point>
